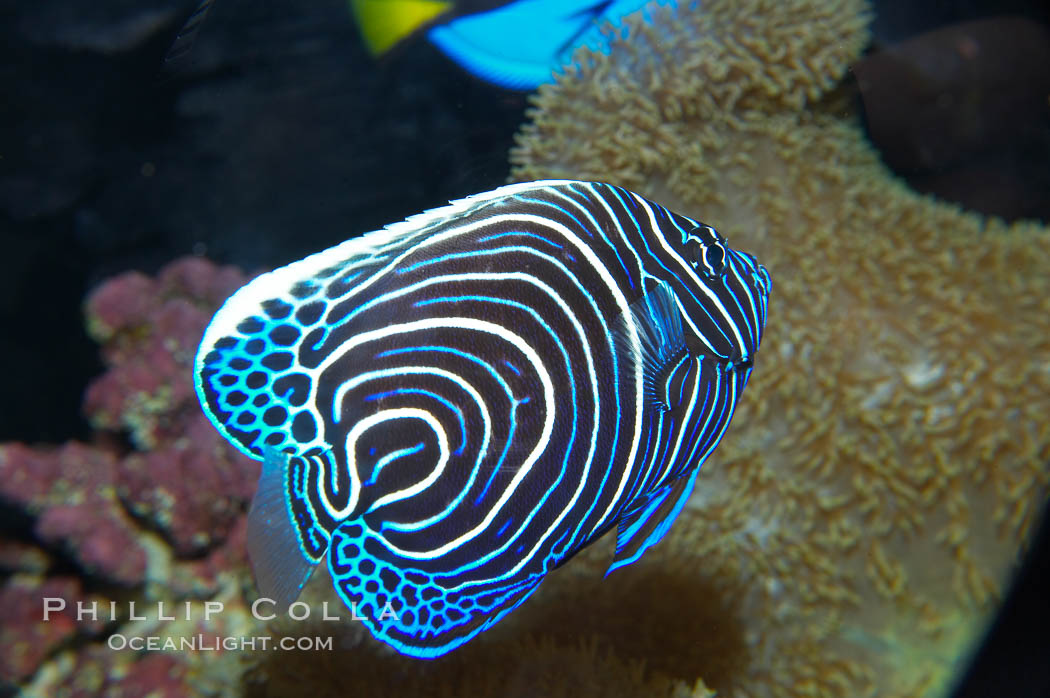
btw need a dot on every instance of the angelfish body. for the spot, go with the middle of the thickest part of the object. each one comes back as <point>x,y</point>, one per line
<point>454,405</point>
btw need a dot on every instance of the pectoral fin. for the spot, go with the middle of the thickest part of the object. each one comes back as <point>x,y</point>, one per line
<point>661,352</point>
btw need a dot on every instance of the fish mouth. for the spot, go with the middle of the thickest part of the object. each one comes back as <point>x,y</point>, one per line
<point>744,364</point>
<point>738,360</point>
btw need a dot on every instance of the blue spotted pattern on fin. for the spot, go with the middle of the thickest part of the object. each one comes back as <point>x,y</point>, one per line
<point>662,342</point>
<point>430,612</point>
<point>253,385</point>
<point>281,567</point>
<point>649,518</point>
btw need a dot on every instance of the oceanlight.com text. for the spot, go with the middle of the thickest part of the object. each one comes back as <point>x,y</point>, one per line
<point>210,643</point>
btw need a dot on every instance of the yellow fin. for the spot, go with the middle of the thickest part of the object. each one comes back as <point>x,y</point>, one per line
<point>383,23</point>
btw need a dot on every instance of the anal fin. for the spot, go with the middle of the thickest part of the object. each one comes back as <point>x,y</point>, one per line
<point>649,518</point>
<point>279,562</point>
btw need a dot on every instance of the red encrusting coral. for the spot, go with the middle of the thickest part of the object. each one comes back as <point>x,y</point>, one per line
<point>98,670</point>
<point>25,637</point>
<point>149,330</point>
<point>153,506</point>
<point>70,493</point>
<point>181,464</point>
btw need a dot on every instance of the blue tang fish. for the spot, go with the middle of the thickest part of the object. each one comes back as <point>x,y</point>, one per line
<point>517,45</point>
<point>451,407</point>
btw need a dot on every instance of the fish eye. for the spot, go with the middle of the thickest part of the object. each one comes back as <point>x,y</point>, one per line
<point>715,259</point>
<point>706,251</point>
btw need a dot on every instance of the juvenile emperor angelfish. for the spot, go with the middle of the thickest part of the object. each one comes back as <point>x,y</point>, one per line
<point>453,406</point>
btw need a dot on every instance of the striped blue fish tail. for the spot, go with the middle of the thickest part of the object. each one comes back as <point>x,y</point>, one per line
<point>420,612</point>
<point>284,541</point>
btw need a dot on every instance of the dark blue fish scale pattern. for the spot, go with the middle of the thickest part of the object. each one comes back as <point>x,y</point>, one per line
<point>454,405</point>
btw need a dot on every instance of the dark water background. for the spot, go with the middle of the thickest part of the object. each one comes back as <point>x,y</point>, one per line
<point>276,136</point>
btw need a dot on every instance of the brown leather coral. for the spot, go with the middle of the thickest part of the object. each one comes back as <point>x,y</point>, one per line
<point>882,474</point>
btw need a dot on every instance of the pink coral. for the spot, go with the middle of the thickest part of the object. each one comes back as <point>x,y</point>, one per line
<point>102,503</point>
<point>25,638</point>
<point>194,489</point>
<point>149,331</point>
<point>184,478</point>
<point>156,675</point>
<point>70,490</point>
<point>98,670</point>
